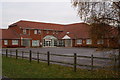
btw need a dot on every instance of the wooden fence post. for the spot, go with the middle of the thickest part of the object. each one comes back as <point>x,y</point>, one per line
<point>115,63</point>
<point>30,56</point>
<point>38,57</point>
<point>10,53</point>
<point>92,62</point>
<point>75,61</point>
<point>48,58</point>
<point>16,53</point>
<point>6,52</point>
<point>22,54</point>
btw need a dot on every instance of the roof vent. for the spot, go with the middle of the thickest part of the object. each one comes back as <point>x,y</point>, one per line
<point>68,32</point>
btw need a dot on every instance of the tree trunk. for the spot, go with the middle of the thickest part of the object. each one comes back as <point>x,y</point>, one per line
<point>119,46</point>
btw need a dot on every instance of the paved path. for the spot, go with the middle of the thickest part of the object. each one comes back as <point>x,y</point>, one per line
<point>5,78</point>
<point>71,51</point>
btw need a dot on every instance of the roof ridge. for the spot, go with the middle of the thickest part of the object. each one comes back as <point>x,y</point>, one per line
<point>52,23</point>
<point>40,22</point>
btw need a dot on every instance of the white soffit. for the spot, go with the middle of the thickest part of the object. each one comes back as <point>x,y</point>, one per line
<point>66,37</point>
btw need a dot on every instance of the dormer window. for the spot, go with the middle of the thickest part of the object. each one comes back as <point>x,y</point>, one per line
<point>35,31</point>
<point>24,31</point>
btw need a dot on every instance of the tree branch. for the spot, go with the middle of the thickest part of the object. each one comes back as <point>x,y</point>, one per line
<point>117,5</point>
<point>109,19</point>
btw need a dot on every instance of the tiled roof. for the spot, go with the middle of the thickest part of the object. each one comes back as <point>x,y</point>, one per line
<point>9,34</point>
<point>38,25</point>
<point>77,30</point>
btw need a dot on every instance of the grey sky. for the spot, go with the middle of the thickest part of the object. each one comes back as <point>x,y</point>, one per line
<point>50,12</point>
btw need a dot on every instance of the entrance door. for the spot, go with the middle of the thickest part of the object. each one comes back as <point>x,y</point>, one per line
<point>68,43</point>
<point>48,43</point>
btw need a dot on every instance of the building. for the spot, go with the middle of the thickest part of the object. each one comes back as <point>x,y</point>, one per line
<point>38,34</point>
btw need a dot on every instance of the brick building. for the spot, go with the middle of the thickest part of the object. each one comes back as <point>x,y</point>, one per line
<point>37,34</point>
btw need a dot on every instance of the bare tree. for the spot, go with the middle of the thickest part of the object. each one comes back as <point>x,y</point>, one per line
<point>100,13</point>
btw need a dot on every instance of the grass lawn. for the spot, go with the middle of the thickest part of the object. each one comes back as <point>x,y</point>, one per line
<point>21,68</point>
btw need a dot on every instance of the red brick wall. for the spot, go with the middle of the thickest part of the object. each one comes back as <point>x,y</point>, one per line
<point>35,36</point>
<point>16,29</point>
<point>111,42</point>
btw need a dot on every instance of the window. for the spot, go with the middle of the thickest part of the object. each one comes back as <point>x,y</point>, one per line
<point>56,32</point>
<point>14,42</point>
<point>55,42</point>
<point>53,32</point>
<point>39,31</point>
<point>24,31</point>
<point>61,43</point>
<point>35,31</point>
<point>88,41</point>
<point>100,41</point>
<point>35,42</point>
<point>79,41</point>
<point>5,42</point>
<point>47,32</point>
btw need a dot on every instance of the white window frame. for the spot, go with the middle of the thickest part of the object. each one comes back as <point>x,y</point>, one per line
<point>24,31</point>
<point>79,41</point>
<point>35,42</point>
<point>88,41</point>
<point>35,31</point>
<point>14,42</point>
<point>101,41</point>
<point>5,42</point>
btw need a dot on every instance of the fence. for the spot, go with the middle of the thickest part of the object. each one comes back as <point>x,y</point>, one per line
<point>48,55</point>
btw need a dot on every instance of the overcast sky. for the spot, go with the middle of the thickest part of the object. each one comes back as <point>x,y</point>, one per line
<point>50,12</point>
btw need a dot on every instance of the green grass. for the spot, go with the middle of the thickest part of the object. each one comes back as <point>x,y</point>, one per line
<point>21,68</point>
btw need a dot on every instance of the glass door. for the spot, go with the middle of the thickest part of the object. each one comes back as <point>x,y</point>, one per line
<point>47,43</point>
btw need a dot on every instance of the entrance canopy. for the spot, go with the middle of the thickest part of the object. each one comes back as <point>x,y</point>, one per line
<point>49,41</point>
<point>66,37</point>
<point>49,37</point>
